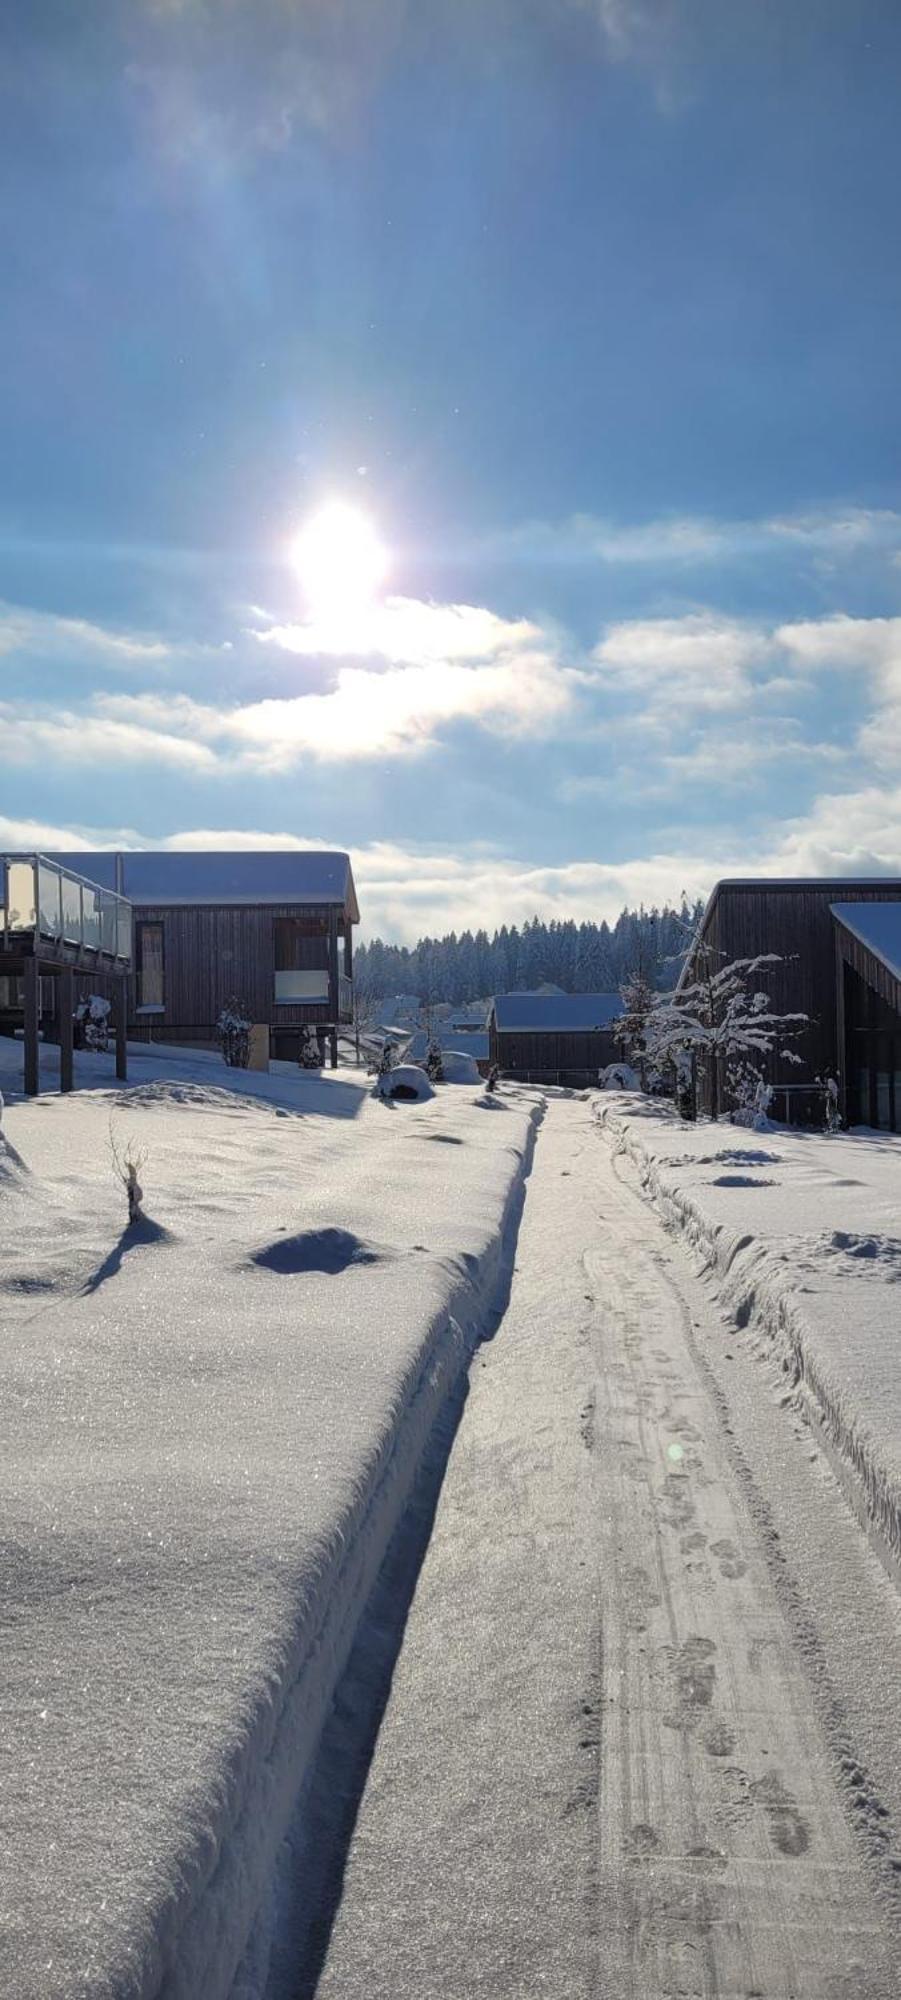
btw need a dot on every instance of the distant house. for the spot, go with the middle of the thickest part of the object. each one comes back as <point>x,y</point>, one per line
<point>271,927</point>
<point>839,945</point>
<point>550,1037</point>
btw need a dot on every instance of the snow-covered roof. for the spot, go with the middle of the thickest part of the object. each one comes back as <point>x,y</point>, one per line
<point>240,875</point>
<point>555,1013</point>
<point>451,1039</point>
<point>876,925</point>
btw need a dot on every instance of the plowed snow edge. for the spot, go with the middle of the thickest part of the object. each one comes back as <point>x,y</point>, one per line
<point>757,1293</point>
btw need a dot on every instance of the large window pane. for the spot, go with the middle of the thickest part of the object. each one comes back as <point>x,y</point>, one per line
<point>21,906</point>
<point>49,900</point>
<point>150,965</point>
<point>299,986</point>
<point>91,907</point>
<point>123,930</point>
<point>108,925</point>
<point>71,910</point>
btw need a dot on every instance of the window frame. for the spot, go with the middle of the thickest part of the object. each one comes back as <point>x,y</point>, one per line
<point>143,924</point>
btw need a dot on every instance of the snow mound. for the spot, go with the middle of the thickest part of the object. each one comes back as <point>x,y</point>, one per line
<point>200,1096</point>
<point>459,1068</point>
<point>884,1250</point>
<point>407,1080</point>
<point>328,1250</point>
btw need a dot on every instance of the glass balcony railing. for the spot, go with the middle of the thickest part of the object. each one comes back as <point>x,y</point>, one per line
<point>40,899</point>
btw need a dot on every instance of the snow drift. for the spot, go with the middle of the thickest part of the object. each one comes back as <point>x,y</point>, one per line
<point>207,1437</point>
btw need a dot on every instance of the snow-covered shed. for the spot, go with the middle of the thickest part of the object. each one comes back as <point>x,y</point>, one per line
<point>838,946</point>
<point>270,927</point>
<point>551,1037</point>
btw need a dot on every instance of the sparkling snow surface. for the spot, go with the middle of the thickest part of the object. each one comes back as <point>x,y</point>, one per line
<point>210,1425</point>
<point>804,1234</point>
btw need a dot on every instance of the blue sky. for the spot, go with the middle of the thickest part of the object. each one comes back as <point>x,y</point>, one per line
<point>592,307</point>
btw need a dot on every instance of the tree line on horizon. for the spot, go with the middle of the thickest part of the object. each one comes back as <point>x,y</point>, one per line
<point>578,957</point>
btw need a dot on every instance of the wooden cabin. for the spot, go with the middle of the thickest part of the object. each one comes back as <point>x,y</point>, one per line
<point>839,946</point>
<point>59,929</point>
<point>269,927</point>
<point>553,1038</point>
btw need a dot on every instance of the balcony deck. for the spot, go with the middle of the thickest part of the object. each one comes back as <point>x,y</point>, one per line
<point>55,923</point>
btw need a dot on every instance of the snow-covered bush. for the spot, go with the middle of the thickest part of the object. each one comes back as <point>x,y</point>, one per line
<point>434,1062</point>
<point>493,1078</point>
<point>405,1080</point>
<point>233,1034</point>
<point>310,1056</point>
<point>618,1076</point>
<point>386,1059</point>
<point>91,1021</point>
<point>751,1097</point>
<point>832,1117</point>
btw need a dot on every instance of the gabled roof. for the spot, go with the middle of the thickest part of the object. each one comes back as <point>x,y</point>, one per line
<point>236,876</point>
<point>555,1013</point>
<point>877,926</point>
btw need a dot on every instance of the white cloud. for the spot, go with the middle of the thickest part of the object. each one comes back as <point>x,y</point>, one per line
<point>23,630</point>
<point>701,661</point>
<point>33,737</point>
<point>428,666</point>
<point>403,629</point>
<point>689,541</point>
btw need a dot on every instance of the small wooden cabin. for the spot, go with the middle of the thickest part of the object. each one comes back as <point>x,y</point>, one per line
<point>839,946</point>
<point>270,927</point>
<point>553,1038</point>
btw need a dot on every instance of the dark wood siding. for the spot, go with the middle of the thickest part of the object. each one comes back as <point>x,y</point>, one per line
<point>215,951</point>
<point>795,921</point>
<point>564,1058</point>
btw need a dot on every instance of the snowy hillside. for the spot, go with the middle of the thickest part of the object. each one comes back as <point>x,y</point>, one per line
<point>210,1426</point>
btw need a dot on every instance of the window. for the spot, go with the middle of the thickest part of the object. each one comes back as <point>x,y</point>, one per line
<point>149,968</point>
<point>301,961</point>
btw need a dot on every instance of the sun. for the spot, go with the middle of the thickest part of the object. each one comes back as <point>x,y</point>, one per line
<point>340,560</point>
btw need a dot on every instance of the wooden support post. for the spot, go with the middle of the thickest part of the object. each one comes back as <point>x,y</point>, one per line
<point>333,1045</point>
<point>32,1026</point>
<point>65,1000</point>
<point>122,1031</point>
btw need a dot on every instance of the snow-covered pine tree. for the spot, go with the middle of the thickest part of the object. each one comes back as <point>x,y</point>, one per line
<point>386,1059</point>
<point>434,1062</point>
<point>638,997</point>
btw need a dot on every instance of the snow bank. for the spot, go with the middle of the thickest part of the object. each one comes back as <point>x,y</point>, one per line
<point>803,1234</point>
<point>209,1428</point>
<point>459,1068</point>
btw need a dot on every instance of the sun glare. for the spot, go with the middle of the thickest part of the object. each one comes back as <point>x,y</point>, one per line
<point>339,559</point>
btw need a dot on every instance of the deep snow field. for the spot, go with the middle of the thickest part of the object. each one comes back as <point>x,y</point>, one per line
<point>209,1428</point>
<point>802,1233</point>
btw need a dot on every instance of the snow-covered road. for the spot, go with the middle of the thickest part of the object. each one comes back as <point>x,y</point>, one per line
<point>642,1736</point>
